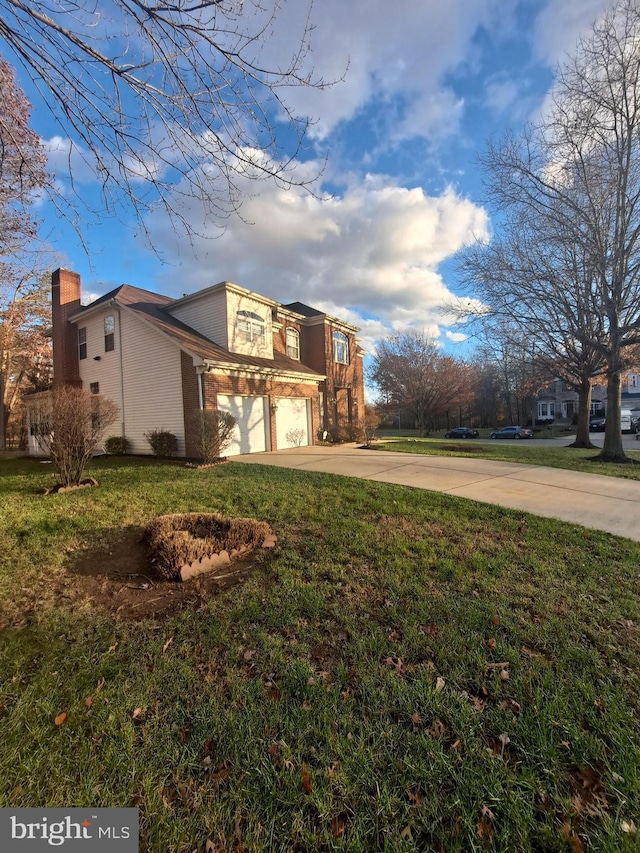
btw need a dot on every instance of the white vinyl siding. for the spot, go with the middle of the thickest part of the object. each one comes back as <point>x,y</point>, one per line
<point>292,414</point>
<point>250,433</point>
<point>207,316</point>
<point>102,368</point>
<point>153,384</point>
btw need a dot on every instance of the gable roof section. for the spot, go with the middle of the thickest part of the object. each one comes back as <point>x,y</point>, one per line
<point>152,308</point>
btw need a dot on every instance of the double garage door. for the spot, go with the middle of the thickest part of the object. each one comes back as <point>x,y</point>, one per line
<point>251,434</point>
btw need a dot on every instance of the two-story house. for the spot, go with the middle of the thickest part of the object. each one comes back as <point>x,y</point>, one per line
<point>281,370</point>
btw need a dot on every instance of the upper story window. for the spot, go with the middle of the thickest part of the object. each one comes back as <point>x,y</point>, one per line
<point>250,326</point>
<point>340,348</point>
<point>82,342</point>
<point>293,344</point>
<point>109,333</point>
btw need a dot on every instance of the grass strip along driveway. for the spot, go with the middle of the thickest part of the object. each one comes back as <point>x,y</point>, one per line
<point>403,671</point>
<point>571,458</point>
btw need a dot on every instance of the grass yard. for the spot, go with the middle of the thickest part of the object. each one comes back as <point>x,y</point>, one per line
<point>574,459</point>
<point>404,671</point>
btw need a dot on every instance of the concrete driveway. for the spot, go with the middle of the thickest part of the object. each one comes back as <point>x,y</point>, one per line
<point>604,503</point>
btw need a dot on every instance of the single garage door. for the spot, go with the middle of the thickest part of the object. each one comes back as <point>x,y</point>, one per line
<point>292,422</point>
<point>250,435</point>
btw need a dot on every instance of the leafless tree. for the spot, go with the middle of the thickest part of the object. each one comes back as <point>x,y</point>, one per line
<point>166,101</point>
<point>69,424</point>
<point>412,373</point>
<point>537,286</point>
<point>578,171</point>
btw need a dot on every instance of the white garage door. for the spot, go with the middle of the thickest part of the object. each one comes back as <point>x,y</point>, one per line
<point>292,422</point>
<point>250,434</point>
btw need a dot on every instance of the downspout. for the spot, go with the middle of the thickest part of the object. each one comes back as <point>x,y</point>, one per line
<point>123,431</point>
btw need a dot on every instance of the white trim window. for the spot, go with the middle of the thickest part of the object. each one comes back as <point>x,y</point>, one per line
<point>82,342</point>
<point>250,326</point>
<point>546,410</point>
<point>340,348</point>
<point>109,333</point>
<point>293,343</point>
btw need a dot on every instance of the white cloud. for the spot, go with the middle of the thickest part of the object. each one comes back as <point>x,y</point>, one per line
<point>560,24</point>
<point>392,57</point>
<point>370,255</point>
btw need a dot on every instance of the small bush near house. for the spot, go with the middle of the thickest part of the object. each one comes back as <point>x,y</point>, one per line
<point>212,433</point>
<point>68,425</point>
<point>163,443</point>
<point>370,424</point>
<point>116,445</point>
<point>174,540</point>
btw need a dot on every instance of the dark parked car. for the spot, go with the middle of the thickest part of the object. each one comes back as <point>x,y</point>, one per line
<point>462,432</point>
<point>597,424</point>
<point>512,432</point>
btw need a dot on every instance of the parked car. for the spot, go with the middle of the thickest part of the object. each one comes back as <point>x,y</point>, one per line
<point>462,432</point>
<point>512,432</point>
<point>597,424</point>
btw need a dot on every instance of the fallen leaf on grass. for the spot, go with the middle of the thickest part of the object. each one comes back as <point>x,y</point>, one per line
<point>405,835</point>
<point>628,826</point>
<point>248,654</point>
<point>136,713</point>
<point>437,729</point>
<point>397,665</point>
<point>276,756</point>
<point>484,829</point>
<point>491,644</point>
<point>575,845</point>
<point>338,825</point>
<point>415,718</point>
<point>415,798</point>
<point>306,781</point>
<point>440,683</point>
<point>88,702</point>
<point>504,675</point>
<point>167,644</point>
<point>59,720</point>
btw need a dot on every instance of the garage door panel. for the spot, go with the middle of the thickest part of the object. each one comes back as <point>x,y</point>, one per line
<point>292,422</point>
<point>250,433</point>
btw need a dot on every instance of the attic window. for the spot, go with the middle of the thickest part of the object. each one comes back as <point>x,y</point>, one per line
<point>109,333</point>
<point>293,344</point>
<point>250,326</point>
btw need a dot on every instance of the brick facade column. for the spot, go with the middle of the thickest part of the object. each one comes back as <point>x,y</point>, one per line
<point>65,300</point>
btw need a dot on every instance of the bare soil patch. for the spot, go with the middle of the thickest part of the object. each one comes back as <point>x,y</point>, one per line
<point>117,578</point>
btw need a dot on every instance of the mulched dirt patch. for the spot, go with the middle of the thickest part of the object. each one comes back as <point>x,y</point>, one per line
<point>117,578</point>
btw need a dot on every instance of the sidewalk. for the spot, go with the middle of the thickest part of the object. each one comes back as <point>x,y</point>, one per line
<point>604,503</point>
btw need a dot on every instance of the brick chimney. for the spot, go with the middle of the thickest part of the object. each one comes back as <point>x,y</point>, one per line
<point>65,300</point>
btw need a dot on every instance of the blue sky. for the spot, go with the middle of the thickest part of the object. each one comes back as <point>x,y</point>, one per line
<point>428,82</point>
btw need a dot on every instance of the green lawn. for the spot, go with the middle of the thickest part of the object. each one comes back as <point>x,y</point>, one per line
<point>405,671</point>
<point>574,459</point>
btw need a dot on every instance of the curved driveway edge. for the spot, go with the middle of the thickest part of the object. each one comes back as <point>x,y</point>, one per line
<point>604,503</point>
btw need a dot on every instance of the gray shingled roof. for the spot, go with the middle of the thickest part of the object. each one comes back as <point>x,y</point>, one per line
<point>152,307</point>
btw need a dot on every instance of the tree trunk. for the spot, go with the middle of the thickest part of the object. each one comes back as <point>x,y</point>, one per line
<point>612,450</point>
<point>584,408</point>
<point>3,427</point>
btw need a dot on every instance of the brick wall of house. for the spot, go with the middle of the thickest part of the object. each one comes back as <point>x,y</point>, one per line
<point>65,299</point>
<point>190,403</point>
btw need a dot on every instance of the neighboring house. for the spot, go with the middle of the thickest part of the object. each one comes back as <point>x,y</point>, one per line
<point>287,373</point>
<point>559,403</point>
